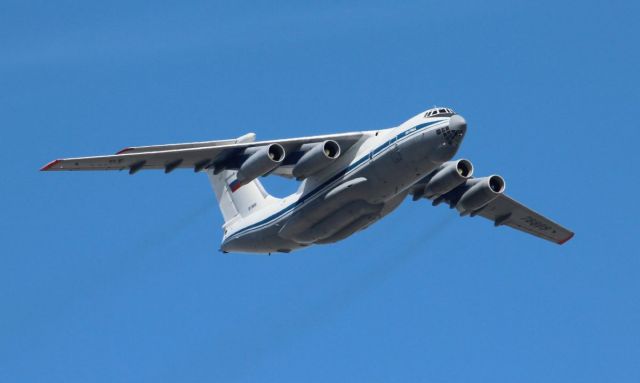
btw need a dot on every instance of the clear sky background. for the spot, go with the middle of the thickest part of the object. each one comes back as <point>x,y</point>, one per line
<point>107,277</point>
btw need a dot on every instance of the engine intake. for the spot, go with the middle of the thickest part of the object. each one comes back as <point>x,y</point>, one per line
<point>482,191</point>
<point>263,160</point>
<point>315,159</point>
<point>451,175</point>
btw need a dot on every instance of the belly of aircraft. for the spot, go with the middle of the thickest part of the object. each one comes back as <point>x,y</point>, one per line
<point>341,218</point>
<point>353,204</point>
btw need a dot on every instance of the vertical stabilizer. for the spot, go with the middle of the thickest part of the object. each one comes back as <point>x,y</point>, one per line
<point>249,198</point>
<point>242,201</point>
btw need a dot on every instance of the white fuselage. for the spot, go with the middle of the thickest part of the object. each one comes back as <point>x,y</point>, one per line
<point>367,182</point>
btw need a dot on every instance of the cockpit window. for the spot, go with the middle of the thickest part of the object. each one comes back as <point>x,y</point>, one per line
<point>444,112</point>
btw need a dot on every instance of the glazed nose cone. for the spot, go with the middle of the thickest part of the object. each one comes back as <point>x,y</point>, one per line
<point>458,123</point>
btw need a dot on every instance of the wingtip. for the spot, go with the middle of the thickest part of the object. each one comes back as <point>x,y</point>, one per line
<point>49,165</point>
<point>566,239</point>
<point>127,149</point>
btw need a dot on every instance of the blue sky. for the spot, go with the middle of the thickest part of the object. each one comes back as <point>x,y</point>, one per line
<point>107,277</point>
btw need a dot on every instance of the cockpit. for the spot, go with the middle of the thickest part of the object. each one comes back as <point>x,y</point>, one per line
<point>439,112</point>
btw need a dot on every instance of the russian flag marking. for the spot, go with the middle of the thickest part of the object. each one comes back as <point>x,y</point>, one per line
<point>235,185</point>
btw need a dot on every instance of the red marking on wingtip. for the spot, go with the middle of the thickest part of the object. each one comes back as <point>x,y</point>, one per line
<point>124,150</point>
<point>49,165</point>
<point>566,239</point>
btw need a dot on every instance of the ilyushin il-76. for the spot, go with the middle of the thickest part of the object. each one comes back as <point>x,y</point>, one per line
<point>348,181</point>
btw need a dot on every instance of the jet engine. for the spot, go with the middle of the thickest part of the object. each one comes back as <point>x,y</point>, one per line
<point>482,191</point>
<point>451,175</point>
<point>315,159</point>
<point>263,160</point>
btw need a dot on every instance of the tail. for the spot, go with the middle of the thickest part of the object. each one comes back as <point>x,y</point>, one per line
<point>240,202</point>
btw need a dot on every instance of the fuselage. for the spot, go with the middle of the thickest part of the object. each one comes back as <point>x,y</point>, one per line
<point>366,183</point>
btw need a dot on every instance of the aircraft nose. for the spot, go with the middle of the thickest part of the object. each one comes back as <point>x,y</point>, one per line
<point>458,124</point>
<point>449,139</point>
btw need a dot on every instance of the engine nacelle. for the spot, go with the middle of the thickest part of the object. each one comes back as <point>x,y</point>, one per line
<point>482,191</point>
<point>315,159</point>
<point>263,160</point>
<point>451,175</point>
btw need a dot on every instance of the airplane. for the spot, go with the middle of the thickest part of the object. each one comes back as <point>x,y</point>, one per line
<point>348,181</point>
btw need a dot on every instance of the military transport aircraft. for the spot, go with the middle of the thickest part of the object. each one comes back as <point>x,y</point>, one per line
<point>348,181</point>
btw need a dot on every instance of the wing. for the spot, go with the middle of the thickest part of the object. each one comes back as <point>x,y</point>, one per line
<point>502,210</point>
<point>229,154</point>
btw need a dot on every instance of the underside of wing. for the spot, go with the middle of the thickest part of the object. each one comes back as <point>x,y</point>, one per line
<point>504,210</point>
<point>454,185</point>
<point>197,158</point>
<point>224,154</point>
